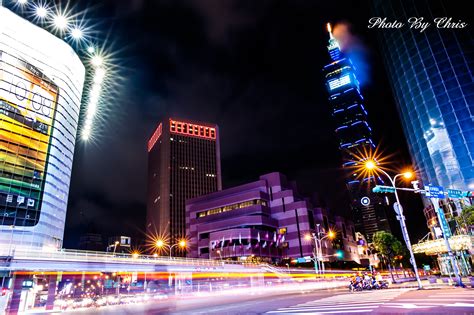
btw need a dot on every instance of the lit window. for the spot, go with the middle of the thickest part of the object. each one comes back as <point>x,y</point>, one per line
<point>336,83</point>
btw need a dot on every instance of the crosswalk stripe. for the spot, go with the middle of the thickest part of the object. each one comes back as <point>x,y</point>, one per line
<point>346,303</point>
<point>331,306</point>
<point>341,303</point>
<point>437,299</point>
<point>326,312</point>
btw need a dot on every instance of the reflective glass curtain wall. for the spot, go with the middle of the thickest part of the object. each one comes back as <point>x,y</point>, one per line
<point>431,77</point>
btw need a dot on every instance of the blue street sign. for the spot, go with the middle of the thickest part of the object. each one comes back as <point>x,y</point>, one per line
<point>444,224</point>
<point>434,191</point>
<point>301,260</point>
<point>454,193</point>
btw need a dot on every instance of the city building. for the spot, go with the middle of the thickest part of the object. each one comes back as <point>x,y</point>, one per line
<point>119,244</point>
<point>41,83</point>
<point>183,162</point>
<point>431,77</point>
<point>355,140</point>
<point>430,73</point>
<point>266,220</point>
<point>91,241</point>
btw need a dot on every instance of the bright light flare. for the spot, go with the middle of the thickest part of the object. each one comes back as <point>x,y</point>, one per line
<point>97,61</point>
<point>41,11</point>
<point>90,49</point>
<point>159,243</point>
<point>77,33</point>
<point>366,164</point>
<point>22,2</point>
<point>408,174</point>
<point>331,234</point>
<point>370,165</point>
<point>182,243</point>
<point>60,22</point>
<point>307,237</point>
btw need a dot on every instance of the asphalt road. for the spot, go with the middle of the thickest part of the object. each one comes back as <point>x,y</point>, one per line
<point>335,301</point>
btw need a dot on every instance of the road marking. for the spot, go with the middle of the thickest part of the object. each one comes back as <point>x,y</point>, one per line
<point>328,312</point>
<point>437,299</point>
<point>354,302</point>
<point>460,305</point>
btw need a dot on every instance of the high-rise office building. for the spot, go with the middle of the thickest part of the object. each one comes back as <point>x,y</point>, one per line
<point>431,77</point>
<point>183,162</point>
<point>41,82</point>
<point>355,137</point>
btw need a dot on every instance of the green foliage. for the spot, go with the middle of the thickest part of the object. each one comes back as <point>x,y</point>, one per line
<point>388,245</point>
<point>467,217</point>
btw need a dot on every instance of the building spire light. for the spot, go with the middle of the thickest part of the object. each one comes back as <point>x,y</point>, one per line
<point>329,30</point>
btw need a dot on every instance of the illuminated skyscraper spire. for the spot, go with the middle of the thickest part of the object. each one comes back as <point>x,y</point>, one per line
<point>354,134</point>
<point>333,47</point>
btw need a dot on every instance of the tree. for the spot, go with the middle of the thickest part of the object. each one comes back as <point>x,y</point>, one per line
<point>466,218</point>
<point>388,246</point>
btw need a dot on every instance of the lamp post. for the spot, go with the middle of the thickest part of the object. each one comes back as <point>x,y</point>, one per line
<point>370,165</point>
<point>115,246</point>
<point>318,254</point>
<point>160,244</point>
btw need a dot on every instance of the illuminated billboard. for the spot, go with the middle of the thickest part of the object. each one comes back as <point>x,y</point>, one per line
<point>41,83</point>
<point>27,108</point>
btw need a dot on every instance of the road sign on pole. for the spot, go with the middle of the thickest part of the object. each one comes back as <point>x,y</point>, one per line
<point>434,191</point>
<point>444,223</point>
<point>397,207</point>
<point>455,193</point>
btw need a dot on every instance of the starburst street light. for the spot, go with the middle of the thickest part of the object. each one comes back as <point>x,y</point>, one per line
<point>371,166</point>
<point>77,33</point>
<point>41,11</point>
<point>60,22</point>
<point>71,27</point>
<point>159,244</point>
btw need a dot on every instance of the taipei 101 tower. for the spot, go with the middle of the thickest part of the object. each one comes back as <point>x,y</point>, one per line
<point>355,139</point>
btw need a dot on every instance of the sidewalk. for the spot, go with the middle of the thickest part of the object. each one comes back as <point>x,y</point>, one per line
<point>443,282</point>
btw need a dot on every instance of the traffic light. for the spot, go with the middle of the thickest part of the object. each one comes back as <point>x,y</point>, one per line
<point>340,254</point>
<point>469,194</point>
<point>383,189</point>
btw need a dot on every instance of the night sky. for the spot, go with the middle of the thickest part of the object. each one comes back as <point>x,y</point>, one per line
<point>252,67</point>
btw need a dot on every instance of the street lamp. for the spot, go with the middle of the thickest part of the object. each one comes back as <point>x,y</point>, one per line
<point>115,246</point>
<point>318,246</point>
<point>371,165</point>
<point>160,244</point>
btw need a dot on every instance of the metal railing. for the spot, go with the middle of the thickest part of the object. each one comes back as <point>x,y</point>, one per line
<point>92,256</point>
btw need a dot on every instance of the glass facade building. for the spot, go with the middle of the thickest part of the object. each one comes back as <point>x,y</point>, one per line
<point>355,139</point>
<point>183,163</point>
<point>432,81</point>
<point>41,82</point>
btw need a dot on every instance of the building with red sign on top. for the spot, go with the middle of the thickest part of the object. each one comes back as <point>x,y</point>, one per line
<point>183,163</point>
